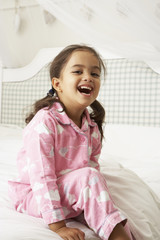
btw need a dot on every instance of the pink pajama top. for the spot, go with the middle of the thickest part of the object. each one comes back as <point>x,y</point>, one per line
<point>53,145</point>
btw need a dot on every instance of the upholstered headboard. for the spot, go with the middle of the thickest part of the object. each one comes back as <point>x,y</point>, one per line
<point>130,91</point>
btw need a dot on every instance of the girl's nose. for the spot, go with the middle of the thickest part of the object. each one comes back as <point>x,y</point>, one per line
<point>87,78</point>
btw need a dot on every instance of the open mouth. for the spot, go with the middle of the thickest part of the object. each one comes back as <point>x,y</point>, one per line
<point>85,89</point>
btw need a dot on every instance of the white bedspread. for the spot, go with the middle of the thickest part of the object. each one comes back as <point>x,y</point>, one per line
<point>135,199</point>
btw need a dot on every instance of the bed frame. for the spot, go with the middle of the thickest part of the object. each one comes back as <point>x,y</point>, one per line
<point>130,91</point>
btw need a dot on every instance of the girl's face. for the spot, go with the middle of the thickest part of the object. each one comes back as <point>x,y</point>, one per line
<point>79,82</point>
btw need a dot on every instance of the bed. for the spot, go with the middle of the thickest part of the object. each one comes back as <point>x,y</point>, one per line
<point>130,158</point>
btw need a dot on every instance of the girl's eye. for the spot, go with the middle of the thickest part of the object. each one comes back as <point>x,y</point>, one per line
<point>95,74</point>
<point>78,72</point>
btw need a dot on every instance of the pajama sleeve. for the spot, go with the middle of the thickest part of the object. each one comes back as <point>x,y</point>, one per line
<point>39,141</point>
<point>96,148</point>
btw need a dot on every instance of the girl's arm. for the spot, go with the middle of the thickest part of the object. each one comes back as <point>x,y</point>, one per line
<point>66,232</point>
<point>96,149</point>
<point>56,226</point>
<point>39,140</point>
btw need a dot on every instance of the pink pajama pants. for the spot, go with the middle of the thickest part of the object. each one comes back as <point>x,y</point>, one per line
<point>85,190</point>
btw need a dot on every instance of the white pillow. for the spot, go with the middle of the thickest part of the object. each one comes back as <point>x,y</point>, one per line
<point>10,143</point>
<point>136,148</point>
<point>131,141</point>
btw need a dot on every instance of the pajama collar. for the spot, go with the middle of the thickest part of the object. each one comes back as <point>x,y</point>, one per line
<point>63,118</point>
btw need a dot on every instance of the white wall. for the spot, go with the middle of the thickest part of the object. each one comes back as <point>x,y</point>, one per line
<point>18,48</point>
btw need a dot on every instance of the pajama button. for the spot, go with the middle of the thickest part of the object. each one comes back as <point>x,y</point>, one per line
<point>82,139</point>
<point>85,161</point>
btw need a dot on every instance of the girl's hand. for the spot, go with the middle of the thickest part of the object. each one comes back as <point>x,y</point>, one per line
<point>70,233</point>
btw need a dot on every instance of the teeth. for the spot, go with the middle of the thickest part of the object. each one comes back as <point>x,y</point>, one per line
<point>85,87</point>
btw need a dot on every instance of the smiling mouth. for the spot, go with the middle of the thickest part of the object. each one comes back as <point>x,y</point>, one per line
<point>85,89</point>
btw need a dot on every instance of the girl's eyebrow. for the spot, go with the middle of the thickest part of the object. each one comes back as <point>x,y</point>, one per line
<point>81,65</point>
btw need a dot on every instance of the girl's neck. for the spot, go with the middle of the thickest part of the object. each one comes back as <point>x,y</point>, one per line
<point>74,111</point>
<point>76,117</point>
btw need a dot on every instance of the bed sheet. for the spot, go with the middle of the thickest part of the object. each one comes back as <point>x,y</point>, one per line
<point>130,194</point>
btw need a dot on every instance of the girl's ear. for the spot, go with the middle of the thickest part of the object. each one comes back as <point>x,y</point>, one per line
<point>56,84</point>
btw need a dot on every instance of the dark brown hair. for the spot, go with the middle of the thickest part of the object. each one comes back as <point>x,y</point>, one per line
<point>98,112</point>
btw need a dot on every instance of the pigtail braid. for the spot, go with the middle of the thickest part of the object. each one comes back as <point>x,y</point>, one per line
<point>42,103</point>
<point>98,115</point>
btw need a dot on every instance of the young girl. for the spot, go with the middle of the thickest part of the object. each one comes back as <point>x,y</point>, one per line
<point>58,163</point>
